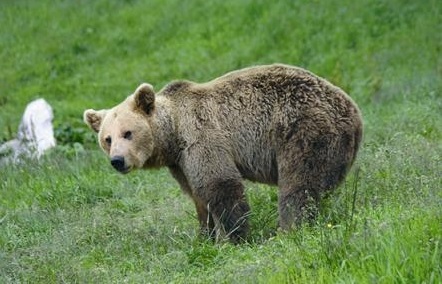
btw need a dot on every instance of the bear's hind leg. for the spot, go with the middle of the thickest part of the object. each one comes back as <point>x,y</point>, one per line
<point>296,204</point>
<point>307,172</point>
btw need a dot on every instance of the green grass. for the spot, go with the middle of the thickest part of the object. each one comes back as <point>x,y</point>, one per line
<point>71,218</point>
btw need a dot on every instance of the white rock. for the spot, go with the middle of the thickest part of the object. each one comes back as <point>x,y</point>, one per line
<point>35,133</point>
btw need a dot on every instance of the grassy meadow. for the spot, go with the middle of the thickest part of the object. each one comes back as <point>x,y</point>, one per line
<point>70,218</point>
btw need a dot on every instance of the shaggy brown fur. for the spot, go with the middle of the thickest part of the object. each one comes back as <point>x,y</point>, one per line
<point>274,124</point>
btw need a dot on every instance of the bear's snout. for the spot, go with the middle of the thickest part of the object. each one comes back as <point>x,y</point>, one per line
<point>118,163</point>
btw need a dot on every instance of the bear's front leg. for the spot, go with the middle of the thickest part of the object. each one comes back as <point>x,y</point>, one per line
<point>207,226</point>
<point>216,182</point>
<point>227,204</point>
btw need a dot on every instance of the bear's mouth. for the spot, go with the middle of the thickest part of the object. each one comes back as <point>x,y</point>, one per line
<point>118,162</point>
<point>125,170</point>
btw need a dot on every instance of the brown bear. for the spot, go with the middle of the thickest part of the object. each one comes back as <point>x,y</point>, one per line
<point>275,124</point>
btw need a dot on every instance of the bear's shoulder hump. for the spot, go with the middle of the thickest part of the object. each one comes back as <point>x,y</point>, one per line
<point>177,87</point>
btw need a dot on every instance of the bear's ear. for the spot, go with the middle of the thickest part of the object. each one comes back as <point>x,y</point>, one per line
<point>145,98</point>
<point>94,118</point>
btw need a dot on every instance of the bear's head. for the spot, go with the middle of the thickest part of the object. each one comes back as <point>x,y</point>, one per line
<point>125,132</point>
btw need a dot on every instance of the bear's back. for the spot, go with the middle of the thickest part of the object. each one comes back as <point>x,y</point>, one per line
<point>260,94</point>
<point>266,84</point>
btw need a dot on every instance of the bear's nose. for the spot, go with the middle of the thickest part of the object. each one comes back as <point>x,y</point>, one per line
<point>118,163</point>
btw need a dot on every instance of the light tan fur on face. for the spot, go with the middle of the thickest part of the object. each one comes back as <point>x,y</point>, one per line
<point>128,117</point>
<point>135,150</point>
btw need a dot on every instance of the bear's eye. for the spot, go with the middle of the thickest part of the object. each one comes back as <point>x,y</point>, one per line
<point>108,140</point>
<point>127,135</point>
